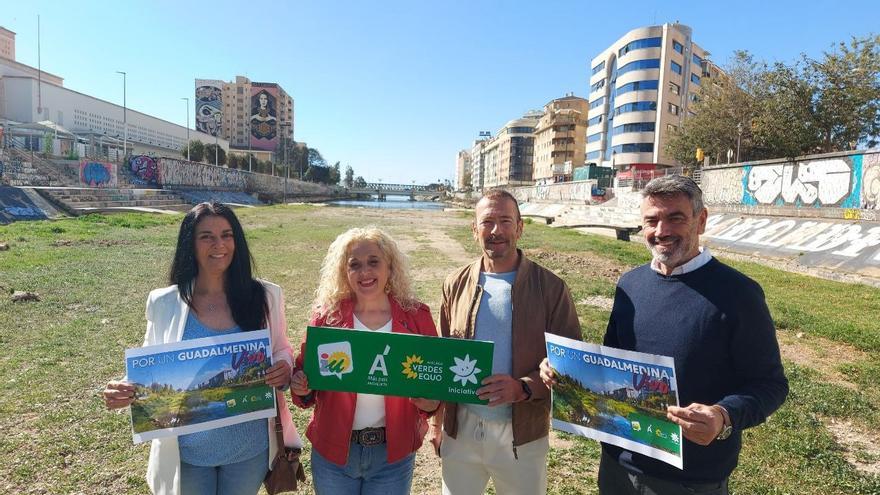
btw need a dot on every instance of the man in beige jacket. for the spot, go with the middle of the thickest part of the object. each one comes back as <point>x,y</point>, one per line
<point>505,298</point>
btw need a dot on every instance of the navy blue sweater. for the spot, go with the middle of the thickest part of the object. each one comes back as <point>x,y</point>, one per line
<point>716,325</point>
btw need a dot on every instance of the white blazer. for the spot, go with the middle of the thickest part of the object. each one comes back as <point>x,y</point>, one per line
<point>166,318</point>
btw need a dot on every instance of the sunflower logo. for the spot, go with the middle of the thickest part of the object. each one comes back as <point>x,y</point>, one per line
<point>407,366</point>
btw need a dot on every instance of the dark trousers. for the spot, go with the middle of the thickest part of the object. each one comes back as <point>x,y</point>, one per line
<point>615,480</point>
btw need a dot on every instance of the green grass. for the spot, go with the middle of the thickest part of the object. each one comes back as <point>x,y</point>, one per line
<point>93,274</point>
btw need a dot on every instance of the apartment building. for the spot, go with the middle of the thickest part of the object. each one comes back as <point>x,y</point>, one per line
<point>560,136</point>
<point>463,170</point>
<point>642,88</point>
<point>508,157</point>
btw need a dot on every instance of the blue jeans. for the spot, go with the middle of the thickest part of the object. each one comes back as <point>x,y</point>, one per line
<point>240,478</point>
<point>367,472</point>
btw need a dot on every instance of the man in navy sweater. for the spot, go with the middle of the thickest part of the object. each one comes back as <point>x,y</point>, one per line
<point>714,322</point>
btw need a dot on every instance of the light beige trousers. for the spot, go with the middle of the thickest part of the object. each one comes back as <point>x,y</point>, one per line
<point>484,449</point>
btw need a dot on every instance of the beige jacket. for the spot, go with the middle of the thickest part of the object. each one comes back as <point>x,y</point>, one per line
<point>541,303</point>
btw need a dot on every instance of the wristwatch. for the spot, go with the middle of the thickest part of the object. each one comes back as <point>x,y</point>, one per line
<point>526,389</point>
<point>727,429</point>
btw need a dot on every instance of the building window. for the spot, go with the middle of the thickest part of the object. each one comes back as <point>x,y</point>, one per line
<point>593,155</point>
<point>636,127</point>
<point>597,86</point>
<point>639,106</point>
<point>671,128</point>
<point>673,109</point>
<point>639,44</point>
<point>598,68</point>
<point>633,148</point>
<point>239,90</point>
<point>697,60</point>
<point>674,88</point>
<point>676,68</point>
<point>694,98</point>
<point>695,79</point>
<point>597,102</point>
<point>651,63</point>
<point>677,46</point>
<point>636,86</point>
<point>594,120</point>
<point>592,138</point>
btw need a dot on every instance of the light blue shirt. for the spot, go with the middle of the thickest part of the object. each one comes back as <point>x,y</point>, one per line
<point>228,444</point>
<point>495,324</point>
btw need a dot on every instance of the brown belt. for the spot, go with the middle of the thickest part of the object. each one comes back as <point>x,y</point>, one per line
<point>369,437</point>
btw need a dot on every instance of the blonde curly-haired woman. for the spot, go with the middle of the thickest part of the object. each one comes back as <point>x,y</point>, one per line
<point>363,443</point>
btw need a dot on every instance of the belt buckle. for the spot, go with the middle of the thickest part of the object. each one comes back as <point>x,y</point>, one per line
<point>369,437</point>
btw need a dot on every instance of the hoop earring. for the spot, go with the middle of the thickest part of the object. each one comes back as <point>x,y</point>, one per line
<point>388,287</point>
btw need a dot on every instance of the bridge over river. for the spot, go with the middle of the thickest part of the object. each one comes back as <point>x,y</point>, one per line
<point>383,190</point>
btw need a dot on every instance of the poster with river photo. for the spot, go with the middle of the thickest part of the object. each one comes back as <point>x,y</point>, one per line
<point>199,384</point>
<point>615,396</point>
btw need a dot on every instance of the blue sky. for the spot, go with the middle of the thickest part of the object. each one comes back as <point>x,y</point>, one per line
<point>393,88</point>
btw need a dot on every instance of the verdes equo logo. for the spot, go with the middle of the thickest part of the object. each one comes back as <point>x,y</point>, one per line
<point>335,359</point>
<point>465,370</point>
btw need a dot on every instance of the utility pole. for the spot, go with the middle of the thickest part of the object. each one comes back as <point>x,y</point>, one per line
<point>124,116</point>
<point>187,128</point>
<point>739,133</point>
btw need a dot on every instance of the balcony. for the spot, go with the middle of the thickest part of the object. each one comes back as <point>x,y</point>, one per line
<point>561,168</point>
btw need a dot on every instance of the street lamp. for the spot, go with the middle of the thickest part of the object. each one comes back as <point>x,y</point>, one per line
<point>739,133</point>
<point>187,128</point>
<point>124,116</point>
<point>284,142</point>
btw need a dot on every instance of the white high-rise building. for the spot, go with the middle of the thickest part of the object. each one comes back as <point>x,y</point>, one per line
<point>641,90</point>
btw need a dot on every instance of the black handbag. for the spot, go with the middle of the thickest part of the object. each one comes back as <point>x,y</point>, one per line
<point>286,469</point>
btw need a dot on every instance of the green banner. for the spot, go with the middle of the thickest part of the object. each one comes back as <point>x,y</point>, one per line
<point>398,364</point>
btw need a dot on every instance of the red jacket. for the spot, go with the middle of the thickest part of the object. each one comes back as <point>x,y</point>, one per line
<point>330,427</point>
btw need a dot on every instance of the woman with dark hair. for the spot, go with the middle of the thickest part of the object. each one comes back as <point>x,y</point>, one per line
<point>214,293</point>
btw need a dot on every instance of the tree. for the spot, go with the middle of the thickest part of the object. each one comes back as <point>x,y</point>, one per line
<point>334,174</point>
<point>722,104</point>
<point>786,110</point>
<point>360,182</point>
<point>209,154</point>
<point>315,158</point>
<point>196,150</point>
<point>349,176</point>
<point>846,97</point>
<point>318,174</point>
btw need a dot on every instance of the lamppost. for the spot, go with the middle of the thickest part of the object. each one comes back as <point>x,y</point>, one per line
<point>249,144</point>
<point>739,133</point>
<point>124,117</point>
<point>284,142</point>
<point>187,128</point>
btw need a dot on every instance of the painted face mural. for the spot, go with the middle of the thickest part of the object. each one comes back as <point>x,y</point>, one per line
<point>264,119</point>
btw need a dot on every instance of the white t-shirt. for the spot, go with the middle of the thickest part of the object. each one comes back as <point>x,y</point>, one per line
<point>369,412</point>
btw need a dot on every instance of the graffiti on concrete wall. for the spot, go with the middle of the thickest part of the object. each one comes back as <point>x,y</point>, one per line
<point>871,182</point>
<point>722,186</point>
<point>16,205</point>
<point>826,182</point>
<point>145,168</point>
<point>97,174</point>
<point>580,191</point>
<point>181,173</point>
<point>842,242</point>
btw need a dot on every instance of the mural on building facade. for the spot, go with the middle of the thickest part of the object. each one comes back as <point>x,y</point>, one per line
<point>264,116</point>
<point>209,109</point>
<point>145,168</point>
<point>824,182</point>
<point>97,174</point>
<point>871,182</point>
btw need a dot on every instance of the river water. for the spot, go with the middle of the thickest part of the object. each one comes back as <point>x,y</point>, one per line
<point>393,202</point>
